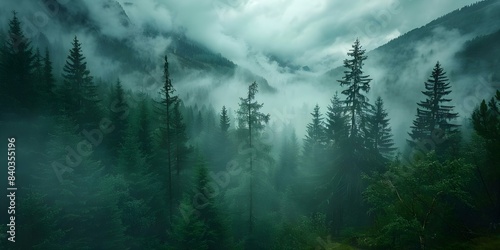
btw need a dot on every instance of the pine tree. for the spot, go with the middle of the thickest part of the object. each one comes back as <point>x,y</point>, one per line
<point>224,145</point>
<point>48,84</point>
<point>486,123</point>
<point>315,138</point>
<point>356,103</point>
<point>205,228</point>
<point>224,122</point>
<point>16,71</point>
<point>379,137</point>
<point>336,123</point>
<point>78,93</point>
<point>433,116</point>
<point>38,79</point>
<point>179,137</point>
<point>251,122</point>
<point>118,110</point>
<point>168,102</point>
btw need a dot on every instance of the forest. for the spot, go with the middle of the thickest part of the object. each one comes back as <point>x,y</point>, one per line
<point>101,166</point>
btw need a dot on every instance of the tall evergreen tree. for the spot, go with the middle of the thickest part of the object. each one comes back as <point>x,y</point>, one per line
<point>205,228</point>
<point>16,71</point>
<point>433,121</point>
<point>378,134</point>
<point>314,147</point>
<point>79,93</point>
<point>168,101</point>
<point>179,138</point>
<point>47,84</point>
<point>224,122</point>
<point>251,122</point>
<point>225,149</point>
<point>336,123</point>
<point>486,123</point>
<point>118,115</point>
<point>358,84</point>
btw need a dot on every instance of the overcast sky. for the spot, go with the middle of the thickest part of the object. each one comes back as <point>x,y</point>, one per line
<point>307,32</point>
<point>316,33</point>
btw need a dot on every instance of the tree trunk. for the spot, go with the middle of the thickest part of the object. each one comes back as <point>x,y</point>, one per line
<point>422,242</point>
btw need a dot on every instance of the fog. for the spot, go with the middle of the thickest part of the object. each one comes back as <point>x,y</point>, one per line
<point>299,33</point>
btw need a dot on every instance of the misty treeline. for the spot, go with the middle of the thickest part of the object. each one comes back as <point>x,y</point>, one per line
<point>102,167</point>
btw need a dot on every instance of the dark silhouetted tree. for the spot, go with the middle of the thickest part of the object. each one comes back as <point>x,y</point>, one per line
<point>433,121</point>
<point>251,122</point>
<point>79,93</point>
<point>378,134</point>
<point>358,84</point>
<point>17,71</point>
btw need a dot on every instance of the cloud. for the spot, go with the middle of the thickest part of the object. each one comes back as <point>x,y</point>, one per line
<point>316,34</point>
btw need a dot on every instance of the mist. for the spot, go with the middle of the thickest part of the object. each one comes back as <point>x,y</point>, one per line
<point>295,51</point>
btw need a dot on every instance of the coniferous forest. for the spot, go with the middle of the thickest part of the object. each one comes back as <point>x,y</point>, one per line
<point>97,162</point>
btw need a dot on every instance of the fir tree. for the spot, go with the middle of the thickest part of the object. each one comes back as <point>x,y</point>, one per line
<point>16,71</point>
<point>358,84</point>
<point>336,123</point>
<point>118,115</point>
<point>314,147</point>
<point>179,138</point>
<point>48,84</point>
<point>433,121</point>
<point>378,134</point>
<point>251,122</point>
<point>224,122</point>
<point>78,93</point>
<point>168,101</point>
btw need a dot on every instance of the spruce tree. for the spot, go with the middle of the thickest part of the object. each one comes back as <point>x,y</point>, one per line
<point>434,116</point>
<point>16,71</point>
<point>225,149</point>
<point>48,84</point>
<point>79,93</point>
<point>314,146</point>
<point>179,138</point>
<point>168,101</point>
<point>224,122</point>
<point>358,84</point>
<point>251,122</point>
<point>378,134</point>
<point>336,127</point>
<point>118,115</point>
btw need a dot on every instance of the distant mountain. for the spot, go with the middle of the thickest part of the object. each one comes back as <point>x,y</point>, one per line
<point>186,56</point>
<point>480,21</point>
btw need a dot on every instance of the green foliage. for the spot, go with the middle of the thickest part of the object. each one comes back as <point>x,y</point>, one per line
<point>305,233</point>
<point>434,115</point>
<point>356,103</point>
<point>17,71</point>
<point>78,93</point>
<point>411,201</point>
<point>119,109</point>
<point>378,133</point>
<point>200,224</point>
